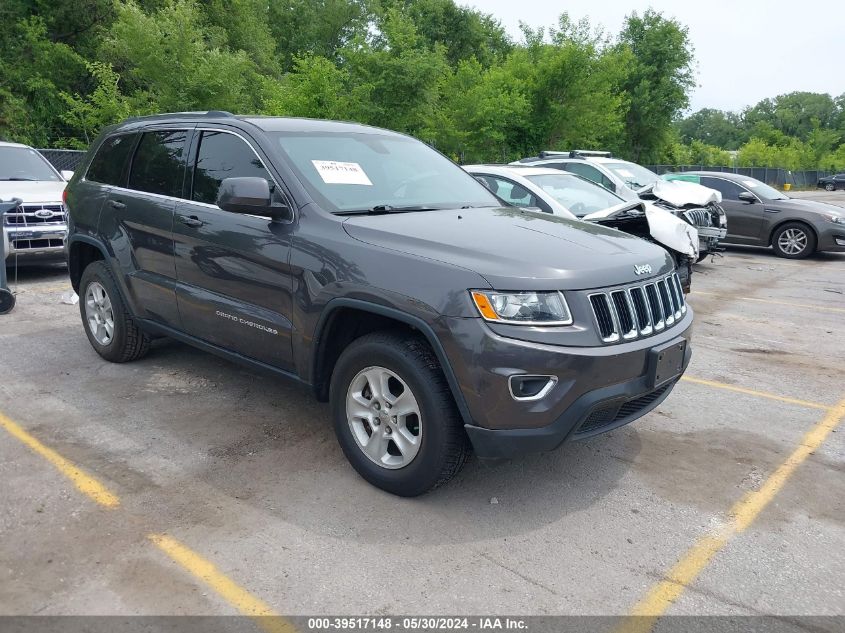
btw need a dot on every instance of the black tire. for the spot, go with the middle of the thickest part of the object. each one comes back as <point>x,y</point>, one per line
<point>128,342</point>
<point>829,187</point>
<point>702,257</point>
<point>809,240</point>
<point>443,448</point>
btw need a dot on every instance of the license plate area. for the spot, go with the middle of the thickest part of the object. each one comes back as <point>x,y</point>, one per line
<point>666,362</point>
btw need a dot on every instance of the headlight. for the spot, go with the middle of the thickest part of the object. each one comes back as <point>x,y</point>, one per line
<point>522,308</point>
<point>836,219</point>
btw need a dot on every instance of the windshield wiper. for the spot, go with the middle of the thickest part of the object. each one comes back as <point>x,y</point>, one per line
<point>16,178</point>
<point>382,209</point>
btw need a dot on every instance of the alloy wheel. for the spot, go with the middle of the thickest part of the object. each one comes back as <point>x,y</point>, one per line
<point>384,417</point>
<point>792,241</point>
<point>99,313</point>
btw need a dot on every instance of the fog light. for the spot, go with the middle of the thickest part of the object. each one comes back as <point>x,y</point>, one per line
<point>531,387</point>
<point>840,241</point>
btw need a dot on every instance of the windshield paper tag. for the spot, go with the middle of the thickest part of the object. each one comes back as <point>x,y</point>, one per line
<point>336,173</point>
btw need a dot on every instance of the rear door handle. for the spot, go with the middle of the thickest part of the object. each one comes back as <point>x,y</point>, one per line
<point>116,204</point>
<point>191,220</point>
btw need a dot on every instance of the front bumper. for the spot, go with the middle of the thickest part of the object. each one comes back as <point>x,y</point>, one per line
<point>35,242</point>
<point>597,388</point>
<point>832,240</point>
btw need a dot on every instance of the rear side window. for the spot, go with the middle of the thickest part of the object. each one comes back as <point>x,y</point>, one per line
<point>590,173</point>
<point>728,189</point>
<point>222,155</point>
<point>109,163</point>
<point>159,162</point>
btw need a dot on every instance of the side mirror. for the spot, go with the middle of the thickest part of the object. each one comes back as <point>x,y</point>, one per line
<point>250,195</point>
<point>747,196</point>
<point>67,174</point>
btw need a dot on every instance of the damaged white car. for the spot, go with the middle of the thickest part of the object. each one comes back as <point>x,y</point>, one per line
<point>569,195</point>
<point>700,206</point>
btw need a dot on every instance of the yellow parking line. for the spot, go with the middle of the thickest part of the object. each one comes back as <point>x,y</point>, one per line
<point>221,584</point>
<point>777,303</point>
<point>657,601</point>
<point>86,484</point>
<point>754,392</point>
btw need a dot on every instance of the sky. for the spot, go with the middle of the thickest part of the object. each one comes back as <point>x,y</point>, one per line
<point>745,50</point>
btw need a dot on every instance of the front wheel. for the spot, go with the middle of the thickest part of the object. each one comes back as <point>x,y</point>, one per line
<point>394,415</point>
<point>794,240</point>
<point>830,187</point>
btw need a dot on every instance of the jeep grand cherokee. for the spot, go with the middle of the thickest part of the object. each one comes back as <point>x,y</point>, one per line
<point>367,265</point>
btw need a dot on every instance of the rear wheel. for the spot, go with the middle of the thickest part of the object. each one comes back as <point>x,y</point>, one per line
<point>794,240</point>
<point>394,414</point>
<point>110,328</point>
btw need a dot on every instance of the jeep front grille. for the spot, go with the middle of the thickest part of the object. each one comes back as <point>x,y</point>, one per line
<point>640,310</point>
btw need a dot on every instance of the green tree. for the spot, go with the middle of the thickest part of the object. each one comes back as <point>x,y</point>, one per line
<point>169,63</point>
<point>657,83</point>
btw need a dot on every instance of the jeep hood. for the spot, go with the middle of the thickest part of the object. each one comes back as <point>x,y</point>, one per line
<point>515,249</point>
<point>32,191</point>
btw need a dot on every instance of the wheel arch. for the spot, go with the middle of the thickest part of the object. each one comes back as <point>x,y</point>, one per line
<point>81,252</point>
<point>333,333</point>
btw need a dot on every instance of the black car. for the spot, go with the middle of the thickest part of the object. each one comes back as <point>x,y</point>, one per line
<point>368,266</point>
<point>760,215</point>
<point>832,183</point>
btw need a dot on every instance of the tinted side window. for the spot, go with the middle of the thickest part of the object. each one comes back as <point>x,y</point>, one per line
<point>587,171</point>
<point>109,163</point>
<point>222,155</point>
<point>512,193</point>
<point>159,162</point>
<point>728,189</point>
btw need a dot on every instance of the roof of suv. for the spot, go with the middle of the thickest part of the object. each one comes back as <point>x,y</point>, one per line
<point>7,144</point>
<point>266,123</point>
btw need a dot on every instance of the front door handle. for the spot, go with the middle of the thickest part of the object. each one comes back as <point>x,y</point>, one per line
<point>116,204</point>
<point>191,220</point>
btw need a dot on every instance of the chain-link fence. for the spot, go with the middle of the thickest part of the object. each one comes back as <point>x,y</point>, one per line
<point>770,175</point>
<point>63,158</point>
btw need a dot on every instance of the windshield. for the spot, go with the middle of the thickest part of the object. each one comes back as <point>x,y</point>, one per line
<point>762,190</point>
<point>633,175</point>
<point>349,172</point>
<point>576,194</point>
<point>24,163</point>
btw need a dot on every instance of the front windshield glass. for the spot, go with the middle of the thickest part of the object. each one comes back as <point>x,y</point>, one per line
<point>348,172</point>
<point>24,163</point>
<point>633,175</point>
<point>576,194</point>
<point>762,190</point>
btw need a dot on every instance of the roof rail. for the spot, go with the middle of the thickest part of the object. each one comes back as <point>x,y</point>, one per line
<point>575,153</point>
<point>211,114</point>
<point>579,153</point>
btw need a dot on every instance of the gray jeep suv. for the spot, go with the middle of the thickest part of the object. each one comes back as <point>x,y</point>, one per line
<point>365,264</point>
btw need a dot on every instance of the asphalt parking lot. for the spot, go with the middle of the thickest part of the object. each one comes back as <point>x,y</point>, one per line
<point>224,490</point>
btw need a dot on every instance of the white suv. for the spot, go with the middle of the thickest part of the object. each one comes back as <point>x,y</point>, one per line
<point>37,229</point>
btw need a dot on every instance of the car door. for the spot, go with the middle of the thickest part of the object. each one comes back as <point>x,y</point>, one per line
<point>234,286</point>
<point>746,220</point>
<point>137,218</point>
